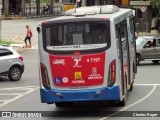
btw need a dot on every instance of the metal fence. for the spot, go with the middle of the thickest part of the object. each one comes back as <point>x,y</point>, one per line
<point>32,12</point>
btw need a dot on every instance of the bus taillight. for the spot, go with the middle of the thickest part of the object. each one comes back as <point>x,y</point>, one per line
<point>45,22</point>
<point>112,73</point>
<point>45,79</point>
<point>105,19</point>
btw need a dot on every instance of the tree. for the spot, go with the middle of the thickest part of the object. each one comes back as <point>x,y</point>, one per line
<point>156,15</point>
<point>157,3</point>
<point>156,8</point>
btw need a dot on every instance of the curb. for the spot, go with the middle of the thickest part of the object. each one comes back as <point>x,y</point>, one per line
<point>28,17</point>
<point>11,18</point>
<point>18,47</point>
<point>21,50</point>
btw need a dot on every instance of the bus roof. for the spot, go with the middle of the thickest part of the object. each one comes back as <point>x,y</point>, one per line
<point>117,15</point>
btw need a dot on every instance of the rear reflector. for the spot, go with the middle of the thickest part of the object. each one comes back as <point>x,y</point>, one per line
<point>44,22</point>
<point>105,19</point>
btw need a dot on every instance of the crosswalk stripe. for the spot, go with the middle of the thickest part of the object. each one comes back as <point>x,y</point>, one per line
<point>29,89</point>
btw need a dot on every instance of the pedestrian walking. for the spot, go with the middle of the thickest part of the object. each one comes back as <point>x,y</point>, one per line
<point>46,9</point>
<point>28,36</point>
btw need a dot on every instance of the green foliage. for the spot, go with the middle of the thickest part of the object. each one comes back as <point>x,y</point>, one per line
<point>44,1</point>
<point>5,42</point>
<point>158,2</point>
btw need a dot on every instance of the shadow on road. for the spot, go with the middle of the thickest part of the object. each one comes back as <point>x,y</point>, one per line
<point>149,64</point>
<point>85,109</point>
<point>4,79</point>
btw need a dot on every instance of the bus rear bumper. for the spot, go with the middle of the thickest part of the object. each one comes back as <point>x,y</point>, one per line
<point>51,96</point>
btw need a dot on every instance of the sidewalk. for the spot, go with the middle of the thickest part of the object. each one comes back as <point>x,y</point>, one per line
<point>18,47</point>
<point>18,44</point>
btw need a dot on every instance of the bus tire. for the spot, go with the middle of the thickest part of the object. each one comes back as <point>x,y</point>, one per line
<point>134,69</point>
<point>138,59</point>
<point>59,104</point>
<point>63,104</point>
<point>131,87</point>
<point>122,103</point>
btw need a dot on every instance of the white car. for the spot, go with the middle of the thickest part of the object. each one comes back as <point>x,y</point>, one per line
<point>148,48</point>
<point>11,63</point>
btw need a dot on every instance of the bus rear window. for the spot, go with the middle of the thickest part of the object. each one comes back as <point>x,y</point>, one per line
<point>86,35</point>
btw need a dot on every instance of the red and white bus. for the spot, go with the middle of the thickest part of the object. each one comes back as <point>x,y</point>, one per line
<point>87,56</point>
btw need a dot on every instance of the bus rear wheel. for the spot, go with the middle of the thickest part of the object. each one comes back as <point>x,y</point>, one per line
<point>122,103</point>
<point>63,104</point>
<point>137,59</point>
<point>131,87</point>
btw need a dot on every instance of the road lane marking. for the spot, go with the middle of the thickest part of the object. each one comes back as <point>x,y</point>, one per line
<point>3,100</point>
<point>146,84</point>
<point>20,88</point>
<point>28,88</point>
<point>149,94</point>
<point>11,93</point>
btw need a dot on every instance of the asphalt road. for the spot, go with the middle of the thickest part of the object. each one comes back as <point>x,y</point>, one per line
<point>24,95</point>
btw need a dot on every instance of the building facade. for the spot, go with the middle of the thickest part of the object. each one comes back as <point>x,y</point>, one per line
<point>143,11</point>
<point>24,8</point>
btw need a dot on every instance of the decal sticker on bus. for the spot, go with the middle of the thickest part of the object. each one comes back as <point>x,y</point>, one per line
<point>59,61</point>
<point>65,80</point>
<point>78,82</point>
<point>78,75</point>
